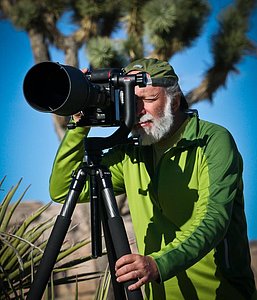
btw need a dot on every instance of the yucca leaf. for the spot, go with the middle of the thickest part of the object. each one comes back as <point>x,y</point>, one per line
<point>75,262</point>
<point>38,257</point>
<point>22,229</point>
<point>47,292</point>
<point>72,249</point>
<point>7,199</point>
<point>52,286</point>
<point>3,290</point>
<point>14,250</point>
<point>23,247</point>
<point>79,277</point>
<point>26,266</point>
<point>29,263</point>
<point>35,234</point>
<point>76,289</point>
<point>103,286</point>
<point>8,215</point>
<point>2,181</point>
<point>31,218</point>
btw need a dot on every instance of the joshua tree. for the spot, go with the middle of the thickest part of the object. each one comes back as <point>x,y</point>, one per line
<point>156,28</point>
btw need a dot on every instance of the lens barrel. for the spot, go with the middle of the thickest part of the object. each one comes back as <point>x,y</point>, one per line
<point>54,88</point>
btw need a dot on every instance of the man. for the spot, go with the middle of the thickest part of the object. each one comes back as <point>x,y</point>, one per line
<point>185,193</point>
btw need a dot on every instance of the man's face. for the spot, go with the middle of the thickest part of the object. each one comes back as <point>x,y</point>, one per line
<point>154,114</point>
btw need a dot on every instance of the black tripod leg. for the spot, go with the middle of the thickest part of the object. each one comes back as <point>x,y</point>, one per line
<point>56,238</point>
<point>96,234</point>
<point>116,226</point>
<point>118,289</point>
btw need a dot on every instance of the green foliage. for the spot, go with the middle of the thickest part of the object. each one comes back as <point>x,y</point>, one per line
<point>96,8</point>
<point>173,25</point>
<point>133,24</point>
<point>231,43</point>
<point>160,19</point>
<point>103,52</point>
<point>104,14</point>
<point>28,13</point>
<point>170,26</point>
<point>104,286</point>
<point>22,247</point>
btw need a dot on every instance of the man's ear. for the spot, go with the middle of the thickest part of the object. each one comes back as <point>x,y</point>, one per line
<point>176,103</point>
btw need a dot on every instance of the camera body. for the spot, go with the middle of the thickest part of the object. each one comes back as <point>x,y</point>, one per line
<point>107,105</point>
<point>105,97</point>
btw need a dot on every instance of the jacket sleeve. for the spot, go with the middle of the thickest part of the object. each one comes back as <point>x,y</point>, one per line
<point>219,185</point>
<point>68,159</point>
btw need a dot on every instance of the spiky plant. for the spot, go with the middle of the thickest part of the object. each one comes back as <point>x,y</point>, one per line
<point>103,53</point>
<point>172,26</point>
<point>104,286</point>
<point>22,247</point>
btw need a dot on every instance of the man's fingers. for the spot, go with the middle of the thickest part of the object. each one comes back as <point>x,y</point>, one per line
<point>133,275</point>
<point>125,260</point>
<point>126,276</point>
<point>135,266</point>
<point>137,285</point>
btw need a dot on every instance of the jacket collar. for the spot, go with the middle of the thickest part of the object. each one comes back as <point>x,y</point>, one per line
<point>190,134</point>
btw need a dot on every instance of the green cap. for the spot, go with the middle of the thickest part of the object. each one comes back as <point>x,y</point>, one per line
<point>161,72</point>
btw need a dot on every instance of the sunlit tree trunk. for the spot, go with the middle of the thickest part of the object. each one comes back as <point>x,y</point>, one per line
<point>39,46</point>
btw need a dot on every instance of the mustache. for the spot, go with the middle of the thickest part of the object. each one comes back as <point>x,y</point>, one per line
<point>145,118</point>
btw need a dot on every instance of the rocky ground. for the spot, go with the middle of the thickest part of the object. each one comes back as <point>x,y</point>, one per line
<point>80,231</point>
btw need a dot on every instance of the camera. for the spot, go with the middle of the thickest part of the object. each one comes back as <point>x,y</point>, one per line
<point>105,97</point>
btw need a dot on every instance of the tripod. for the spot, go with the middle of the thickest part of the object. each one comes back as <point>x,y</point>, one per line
<point>103,203</point>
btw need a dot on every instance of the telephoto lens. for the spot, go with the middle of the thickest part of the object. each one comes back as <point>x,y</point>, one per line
<point>54,88</point>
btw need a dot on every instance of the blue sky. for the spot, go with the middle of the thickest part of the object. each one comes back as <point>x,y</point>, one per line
<point>29,143</point>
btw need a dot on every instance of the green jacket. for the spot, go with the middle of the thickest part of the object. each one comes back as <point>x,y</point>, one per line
<point>187,208</point>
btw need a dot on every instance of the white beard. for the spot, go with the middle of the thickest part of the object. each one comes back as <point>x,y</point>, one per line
<point>160,127</point>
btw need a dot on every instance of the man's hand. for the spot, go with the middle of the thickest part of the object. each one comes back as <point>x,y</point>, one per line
<point>135,266</point>
<point>77,116</point>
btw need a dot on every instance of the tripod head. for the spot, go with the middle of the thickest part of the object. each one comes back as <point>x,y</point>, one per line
<point>120,136</point>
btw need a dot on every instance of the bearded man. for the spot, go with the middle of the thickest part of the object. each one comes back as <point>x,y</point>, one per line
<point>185,194</point>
